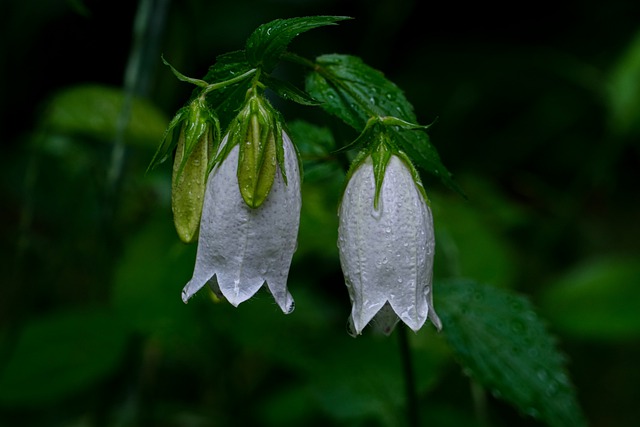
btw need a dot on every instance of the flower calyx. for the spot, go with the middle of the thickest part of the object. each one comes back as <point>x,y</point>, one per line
<point>257,130</point>
<point>195,143</point>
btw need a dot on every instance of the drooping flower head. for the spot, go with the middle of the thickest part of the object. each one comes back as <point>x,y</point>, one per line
<point>386,243</point>
<point>251,210</point>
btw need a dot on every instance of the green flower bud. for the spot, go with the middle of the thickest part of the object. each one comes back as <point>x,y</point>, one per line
<point>195,146</point>
<point>258,132</point>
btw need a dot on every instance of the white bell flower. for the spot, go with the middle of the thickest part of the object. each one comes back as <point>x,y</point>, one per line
<point>386,251</point>
<point>240,248</point>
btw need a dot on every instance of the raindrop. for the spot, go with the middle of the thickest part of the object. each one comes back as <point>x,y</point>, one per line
<point>542,375</point>
<point>385,260</point>
<point>552,388</point>
<point>517,326</point>
<point>376,213</point>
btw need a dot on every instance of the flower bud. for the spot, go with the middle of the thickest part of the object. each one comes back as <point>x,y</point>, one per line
<point>386,245</point>
<point>258,133</point>
<point>190,166</point>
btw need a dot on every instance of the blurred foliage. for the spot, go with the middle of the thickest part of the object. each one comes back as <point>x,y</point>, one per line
<point>537,117</point>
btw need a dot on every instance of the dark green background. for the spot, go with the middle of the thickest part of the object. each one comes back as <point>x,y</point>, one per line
<point>537,113</point>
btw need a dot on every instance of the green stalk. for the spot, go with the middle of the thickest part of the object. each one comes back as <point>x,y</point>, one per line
<point>413,416</point>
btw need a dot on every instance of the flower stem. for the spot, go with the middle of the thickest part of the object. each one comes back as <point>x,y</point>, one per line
<point>233,80</point>
<point>413,419</point>
<point>479,397</point>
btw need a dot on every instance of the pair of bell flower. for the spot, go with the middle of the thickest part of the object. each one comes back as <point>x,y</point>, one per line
<point>251,213</point>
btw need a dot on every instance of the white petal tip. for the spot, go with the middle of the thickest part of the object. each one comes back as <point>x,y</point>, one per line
<point>185,296</point>
<point>188,291</point>
<point>351,329</point>
<point>288,309</point>
<point>435,320</point>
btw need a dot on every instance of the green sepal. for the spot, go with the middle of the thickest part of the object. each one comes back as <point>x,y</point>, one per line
<point>201,119</point>
<point>378,136</point>
<point>380,156</point>
<point>269,41</point>
<point>169,140</point>
<point>277,124</point>
<point>182,77</point>
<point>288,91</point>
<point>258,132</point>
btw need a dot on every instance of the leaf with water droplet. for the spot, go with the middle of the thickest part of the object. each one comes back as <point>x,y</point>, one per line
<point>346,87</point>
<point>269,41</point>
<point>483,325</point>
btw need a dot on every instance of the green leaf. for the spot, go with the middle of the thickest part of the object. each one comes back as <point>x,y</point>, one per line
<point>60,354</point>
<point>599,299</point>
<point>288,91</point>
<point>269,41</point>
<point>355,92</point>
<point>94,111</point>
<point>503,344</point>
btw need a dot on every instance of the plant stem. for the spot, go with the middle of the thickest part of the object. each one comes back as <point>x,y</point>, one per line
<point>233,80</point>
<point>479,397</point>
<point>148,25</point>
<point>413,419</point>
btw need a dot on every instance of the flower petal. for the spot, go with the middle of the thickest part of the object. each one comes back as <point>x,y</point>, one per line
<point>386,253</point>
<point>244,247</point>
